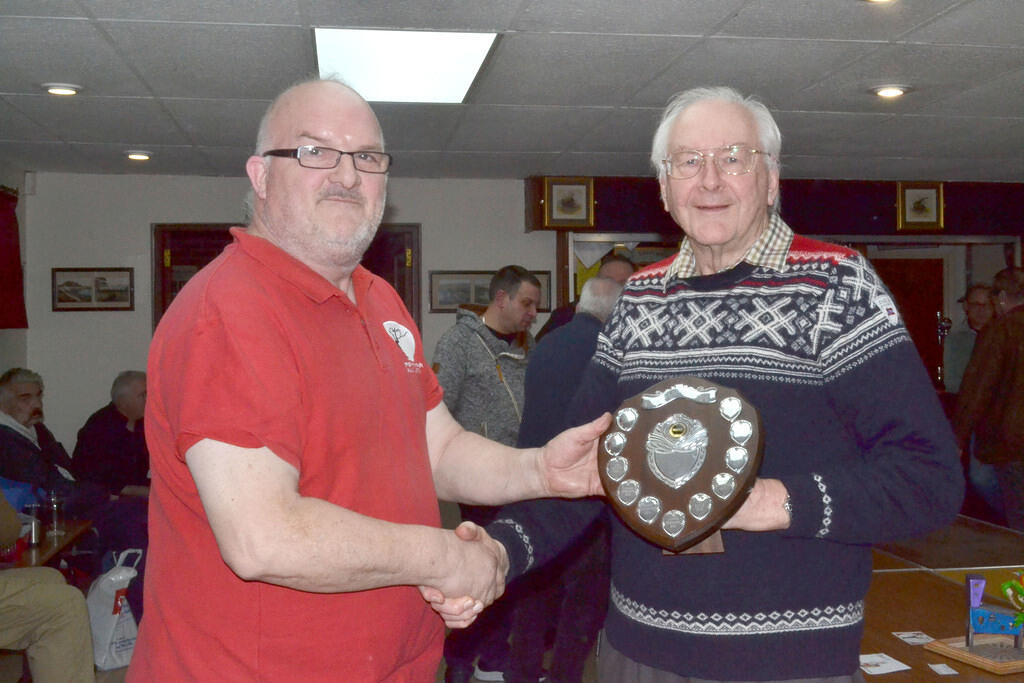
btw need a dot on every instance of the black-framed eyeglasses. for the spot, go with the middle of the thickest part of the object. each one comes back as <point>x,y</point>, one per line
<point>314,156</point>
<point>732,160</point>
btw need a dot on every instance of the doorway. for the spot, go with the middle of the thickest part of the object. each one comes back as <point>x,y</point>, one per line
<point>180,250</point>
<point>916,287</point>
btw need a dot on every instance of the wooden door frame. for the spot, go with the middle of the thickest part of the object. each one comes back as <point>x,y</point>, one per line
<point>157,231</point>
<point>413,231</point>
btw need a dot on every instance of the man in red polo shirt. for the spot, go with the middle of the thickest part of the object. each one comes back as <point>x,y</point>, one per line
<point>299,442</point>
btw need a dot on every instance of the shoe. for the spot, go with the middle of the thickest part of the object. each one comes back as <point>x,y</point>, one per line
<point>487,674</point>
<point>458,674</point>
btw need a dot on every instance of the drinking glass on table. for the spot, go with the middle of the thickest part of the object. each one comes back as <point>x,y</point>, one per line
<point>56,505</point>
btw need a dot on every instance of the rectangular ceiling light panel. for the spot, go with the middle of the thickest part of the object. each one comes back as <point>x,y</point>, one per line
<point>403,66</point>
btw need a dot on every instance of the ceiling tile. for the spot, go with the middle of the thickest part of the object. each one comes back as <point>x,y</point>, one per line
<point>101,119</point>
<point>218,122</point>
<point>40,8</point>
<point>572,87</point>
<point>417,126</point>
<point>216,60</point>
<point>654,17</point>
<point>283,12</point>
<point>37,51</point>
<point>574,69</point>
<point>784,67</point>
<point>985,22</point>
<point>439,15</point>
<point>813,19</point>
<point>530,129</point>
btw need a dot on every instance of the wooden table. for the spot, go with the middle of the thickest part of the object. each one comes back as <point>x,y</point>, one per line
<point>51,546</point>
<point>918,586</point>
<point>967,543</point>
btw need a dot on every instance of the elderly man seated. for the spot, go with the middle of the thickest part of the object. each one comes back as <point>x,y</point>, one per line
<point>28,450</point>
<point>111,449</point>
<point>29,453</point>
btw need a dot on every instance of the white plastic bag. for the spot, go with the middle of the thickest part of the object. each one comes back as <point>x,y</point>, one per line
<point>113,624</point>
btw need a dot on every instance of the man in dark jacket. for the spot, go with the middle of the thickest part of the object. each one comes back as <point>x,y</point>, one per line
<point>29,453</point>
<point>991,401</point>
<point>111,449</point>
<point>571,593</point>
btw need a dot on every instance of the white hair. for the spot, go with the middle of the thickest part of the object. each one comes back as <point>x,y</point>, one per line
<point>598,297</point>
<point>769,138</point>
<point>123,382</point>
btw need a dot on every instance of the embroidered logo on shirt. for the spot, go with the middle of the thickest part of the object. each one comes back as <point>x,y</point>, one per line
<point>886,305</point>
<point>406,342</point>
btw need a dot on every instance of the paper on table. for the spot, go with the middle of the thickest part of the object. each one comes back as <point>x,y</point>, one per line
<point>913,637</point>
<point>880,663</point>
<point>944,669</point>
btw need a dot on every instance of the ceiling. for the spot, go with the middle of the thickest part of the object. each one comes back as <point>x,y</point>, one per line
<point>572,87</point>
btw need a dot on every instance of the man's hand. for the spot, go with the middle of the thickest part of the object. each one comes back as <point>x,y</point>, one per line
<point>763,509</point>
<point>456,612</point>
<point>478,578</point>
<point>568,463</point>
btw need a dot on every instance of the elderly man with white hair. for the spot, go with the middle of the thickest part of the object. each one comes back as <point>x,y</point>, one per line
<point>856,447</point>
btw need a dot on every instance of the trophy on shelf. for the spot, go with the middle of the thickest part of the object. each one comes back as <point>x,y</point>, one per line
<point>679,459</point>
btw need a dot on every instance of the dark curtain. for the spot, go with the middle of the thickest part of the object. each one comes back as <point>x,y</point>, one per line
<point>12,282</point>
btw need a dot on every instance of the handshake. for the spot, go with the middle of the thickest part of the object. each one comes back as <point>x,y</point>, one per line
<point>475,581</point>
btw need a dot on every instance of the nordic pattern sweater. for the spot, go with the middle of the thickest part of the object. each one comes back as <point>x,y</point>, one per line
<point>850,424</point>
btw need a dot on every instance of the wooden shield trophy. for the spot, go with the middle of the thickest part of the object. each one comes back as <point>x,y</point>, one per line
<point>679,459</point>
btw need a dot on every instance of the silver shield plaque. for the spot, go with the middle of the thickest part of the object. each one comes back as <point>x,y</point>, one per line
<point>679,459</point>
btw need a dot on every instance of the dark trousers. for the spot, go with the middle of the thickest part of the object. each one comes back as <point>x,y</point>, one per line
<point>571,595</point>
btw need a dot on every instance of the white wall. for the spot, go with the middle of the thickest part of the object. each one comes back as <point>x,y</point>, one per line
<point>105,221</point>
<point>467,225</point>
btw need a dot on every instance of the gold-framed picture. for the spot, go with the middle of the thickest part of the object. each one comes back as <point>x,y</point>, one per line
<point>568,202</point>
<point>919,206</point>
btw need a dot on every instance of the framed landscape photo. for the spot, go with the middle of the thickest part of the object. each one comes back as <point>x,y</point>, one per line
<point>920,206</point>
<point>568,202</point>
<point>93,289</point>
<point>450,289</point>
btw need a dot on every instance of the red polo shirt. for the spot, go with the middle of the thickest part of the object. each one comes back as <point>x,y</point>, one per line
<point>258,350</point>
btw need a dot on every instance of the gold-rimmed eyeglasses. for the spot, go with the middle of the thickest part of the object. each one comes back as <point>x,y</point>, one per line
<point>732,160</point>
<point>314,156</point>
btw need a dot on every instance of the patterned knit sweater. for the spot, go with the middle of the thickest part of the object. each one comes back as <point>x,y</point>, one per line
<point>850,424</point>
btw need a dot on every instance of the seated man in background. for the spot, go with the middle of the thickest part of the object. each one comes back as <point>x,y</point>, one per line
<point>111,449</point>
<point>30,453</point>
<point>42,615</point>
<point>28,450</point>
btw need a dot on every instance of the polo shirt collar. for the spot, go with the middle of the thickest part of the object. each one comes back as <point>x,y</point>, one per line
<point>287,267</point>
<point>769,250</point>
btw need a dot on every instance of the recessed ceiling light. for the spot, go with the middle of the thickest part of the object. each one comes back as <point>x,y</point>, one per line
<point>64,89</point>
<point>403,66</point>
<point>891,91</point>
<point>138,154</point>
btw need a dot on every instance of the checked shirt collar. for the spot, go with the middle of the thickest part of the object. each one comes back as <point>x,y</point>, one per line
<point>769,250</point>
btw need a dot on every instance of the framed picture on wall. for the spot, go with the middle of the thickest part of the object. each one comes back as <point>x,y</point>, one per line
<point>93,289</point>
<point>920,206</point>
<point>568,202</point>
<point>450,289</point>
